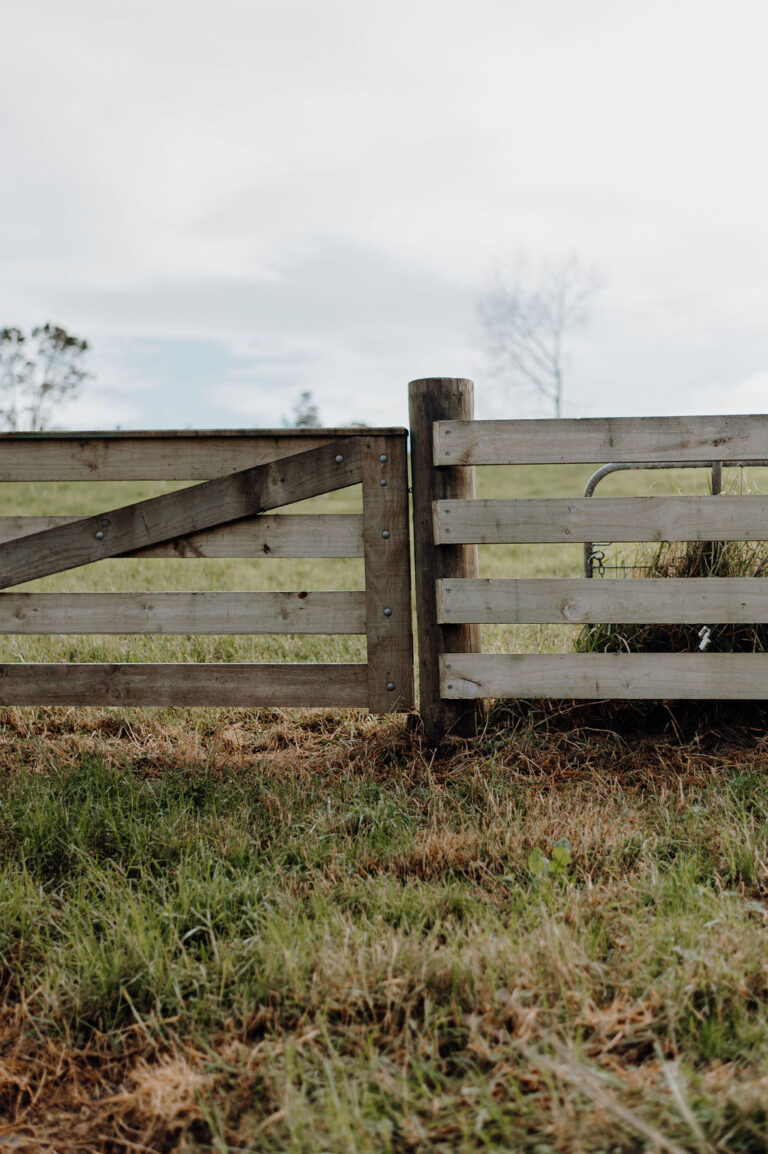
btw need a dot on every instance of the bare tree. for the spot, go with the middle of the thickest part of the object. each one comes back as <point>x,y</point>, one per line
<point>37,373</point>
<point>304,414</point>
<point>525,316</point>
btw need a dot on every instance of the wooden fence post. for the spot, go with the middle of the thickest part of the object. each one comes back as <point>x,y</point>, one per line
<point>389,622</point>
<point>440,399</point>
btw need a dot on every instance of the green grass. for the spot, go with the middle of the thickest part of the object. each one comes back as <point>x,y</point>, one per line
<point>356,956</point>
<point>265,930</point>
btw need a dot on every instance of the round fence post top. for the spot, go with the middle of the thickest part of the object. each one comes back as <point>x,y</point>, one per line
<point>428,382</point>
<point>451,386</point>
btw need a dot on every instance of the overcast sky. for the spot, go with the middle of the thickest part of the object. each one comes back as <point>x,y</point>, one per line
<point>235,201</point>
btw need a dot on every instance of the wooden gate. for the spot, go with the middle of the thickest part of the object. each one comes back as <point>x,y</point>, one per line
<point>453,601</point>
<point>246,475</point>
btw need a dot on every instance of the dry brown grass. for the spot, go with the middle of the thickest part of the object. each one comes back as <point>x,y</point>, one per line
<point>530,1033</point>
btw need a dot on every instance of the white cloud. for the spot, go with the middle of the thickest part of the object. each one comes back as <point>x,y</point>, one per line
<point>183,170</point>
<point>747,395</point>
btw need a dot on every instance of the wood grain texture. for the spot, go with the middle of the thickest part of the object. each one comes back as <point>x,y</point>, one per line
<point>230,685</point>
<point>556,520</point>
<point>152,455</point>
<point>599,440</point>
<point>186,613</point>
<point>185,511</point>
<point>431,400</point>
<point>577,600</point>
<point>270,535</point>
<point>387,574</point>
<point>590,676</point>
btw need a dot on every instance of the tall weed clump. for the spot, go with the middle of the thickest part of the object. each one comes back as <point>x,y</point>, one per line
<point>686,559</point>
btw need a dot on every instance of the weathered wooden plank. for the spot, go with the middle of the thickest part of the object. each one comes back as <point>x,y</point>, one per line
<point>722,676</point>
<point>152,455</point>
<point>598,440</point>
<point>231,685</point>
<point>434,399</point>
<point>270,535</point>
<point>551,519</point>
<point>305,433</point>
<point>387,574</point>
<point>185,511</point>
<point>576,600</point>
<point>318,612</point>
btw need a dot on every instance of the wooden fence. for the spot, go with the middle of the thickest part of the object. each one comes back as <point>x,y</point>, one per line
<point>246,475</point>
<point>453,601</point>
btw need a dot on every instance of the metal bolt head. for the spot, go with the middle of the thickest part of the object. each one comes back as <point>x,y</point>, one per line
<point>100,535</point>
<point>385,533</point>
<point>383,481</point>
<point>339,458</point>
<point>383,458</point>
<point>387,612</point>
<point>104,522</point>
<point>390,686</point>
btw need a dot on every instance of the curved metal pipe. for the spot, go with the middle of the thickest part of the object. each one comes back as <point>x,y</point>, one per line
<point>618,466</point>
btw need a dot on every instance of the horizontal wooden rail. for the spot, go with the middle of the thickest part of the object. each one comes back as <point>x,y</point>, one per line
<point>320,612</point>
<point>597,440</point>
<point>183,455</point>
<point>576,600</point>
<point>144,523</point>
<point>543,520</point>
<point>590,676</point>
<point>234,685</point>
<point>271,535</point>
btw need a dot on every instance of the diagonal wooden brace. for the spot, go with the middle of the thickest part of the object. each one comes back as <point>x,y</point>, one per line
<point>243,494</point>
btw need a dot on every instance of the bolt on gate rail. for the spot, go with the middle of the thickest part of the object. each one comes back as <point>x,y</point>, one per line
<point>453,601</point>
<point>246,475</point>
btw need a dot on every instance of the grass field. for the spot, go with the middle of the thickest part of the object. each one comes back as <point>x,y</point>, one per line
<point>276,930</point>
